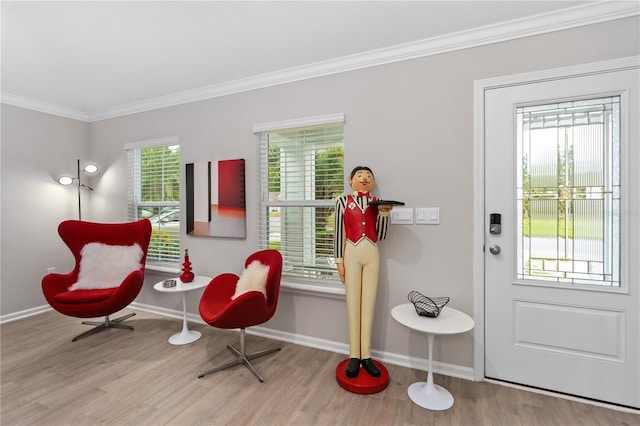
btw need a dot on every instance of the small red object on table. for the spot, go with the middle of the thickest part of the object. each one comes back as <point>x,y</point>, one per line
<point>187,275</point>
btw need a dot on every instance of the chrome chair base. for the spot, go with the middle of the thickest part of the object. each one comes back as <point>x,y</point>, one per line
<point>107,323</point>
<point>241,358</point>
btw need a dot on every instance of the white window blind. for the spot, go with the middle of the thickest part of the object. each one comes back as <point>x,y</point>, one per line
<point>154,193</point>
<point>301,175</point>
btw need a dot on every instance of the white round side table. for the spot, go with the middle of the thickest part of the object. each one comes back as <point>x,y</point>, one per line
<point>186,335</point>
<point>450,321</point>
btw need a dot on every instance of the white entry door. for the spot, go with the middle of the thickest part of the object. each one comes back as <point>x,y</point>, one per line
<point>562,274</point>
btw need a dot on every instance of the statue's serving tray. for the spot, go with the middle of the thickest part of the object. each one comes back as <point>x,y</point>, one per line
<point>386,202</point>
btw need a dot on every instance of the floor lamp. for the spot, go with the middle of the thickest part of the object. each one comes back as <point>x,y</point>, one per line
<point>68,180</point>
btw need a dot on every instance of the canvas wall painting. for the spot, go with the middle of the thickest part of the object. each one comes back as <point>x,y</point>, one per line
<point>216,204</point>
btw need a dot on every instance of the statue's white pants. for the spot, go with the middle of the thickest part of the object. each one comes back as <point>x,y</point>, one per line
<point>361,264</point>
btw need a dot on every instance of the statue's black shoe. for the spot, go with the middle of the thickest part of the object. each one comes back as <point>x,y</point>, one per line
<point>353,368</point>
<point>371,367</point>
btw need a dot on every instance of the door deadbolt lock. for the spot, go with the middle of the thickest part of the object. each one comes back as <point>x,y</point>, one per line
<point>494,249</point>
<point>494,223</point>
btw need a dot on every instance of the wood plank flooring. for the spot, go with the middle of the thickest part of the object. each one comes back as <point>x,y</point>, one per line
<point>122,377</point>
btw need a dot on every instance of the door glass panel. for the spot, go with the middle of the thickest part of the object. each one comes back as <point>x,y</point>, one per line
<point>568,192</point>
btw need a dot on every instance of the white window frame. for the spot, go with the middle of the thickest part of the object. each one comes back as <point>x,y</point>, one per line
<point>134,195</point>
<point>331,288</point>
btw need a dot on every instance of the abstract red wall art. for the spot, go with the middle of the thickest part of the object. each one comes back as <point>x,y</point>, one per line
<point>216,204</point>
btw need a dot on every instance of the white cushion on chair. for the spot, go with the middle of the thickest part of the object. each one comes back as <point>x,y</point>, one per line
<point>106,266</point>
<point>254,277</point>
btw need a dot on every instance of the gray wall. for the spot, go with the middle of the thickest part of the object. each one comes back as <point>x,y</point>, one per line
<point>411,121</point>
<point>37,148</point>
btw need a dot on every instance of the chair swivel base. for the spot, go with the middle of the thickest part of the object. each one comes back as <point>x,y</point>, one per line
<point>103,325</point>
<point>241,358</point>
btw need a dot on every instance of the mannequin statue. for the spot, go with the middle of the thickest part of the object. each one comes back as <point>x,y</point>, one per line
<point>358,228</point>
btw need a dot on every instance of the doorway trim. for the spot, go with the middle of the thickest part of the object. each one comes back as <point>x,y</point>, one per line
<point>480,87</point>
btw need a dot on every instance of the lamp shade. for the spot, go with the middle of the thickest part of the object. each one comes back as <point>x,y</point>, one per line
<point>65,180</point>
<point>90,168</point>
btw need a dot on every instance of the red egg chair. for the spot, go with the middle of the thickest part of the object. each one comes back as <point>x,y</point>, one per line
<point>108,275</point>
<point>219,309</point>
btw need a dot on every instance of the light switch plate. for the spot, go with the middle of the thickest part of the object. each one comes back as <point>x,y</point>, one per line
<point>402,216</point>
<point>427,216</point>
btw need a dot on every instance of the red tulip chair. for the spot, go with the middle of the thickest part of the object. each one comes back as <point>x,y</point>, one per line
<point>109,273</point>
<point>219,309</point>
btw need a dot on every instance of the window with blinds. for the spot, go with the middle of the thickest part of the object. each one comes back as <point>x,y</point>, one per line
<point>154,193</point>
<point>301,175</point>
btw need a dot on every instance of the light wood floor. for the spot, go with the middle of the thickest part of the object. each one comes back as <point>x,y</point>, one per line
<point>121,377</point>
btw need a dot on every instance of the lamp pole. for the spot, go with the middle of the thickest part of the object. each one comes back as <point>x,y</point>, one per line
<point>68,180</point>
<point>79,203</point>
<point>80,184</point>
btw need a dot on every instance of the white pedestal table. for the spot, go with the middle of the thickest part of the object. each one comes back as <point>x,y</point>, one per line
<point>186,335</point>
<point>450,321</point>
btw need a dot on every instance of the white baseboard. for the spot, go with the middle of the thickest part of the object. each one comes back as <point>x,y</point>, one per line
<point>172,313</point>
<point>452,370</point>
<point>24,314</point>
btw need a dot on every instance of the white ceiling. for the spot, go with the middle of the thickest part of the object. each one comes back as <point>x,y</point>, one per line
<point>93,57</point>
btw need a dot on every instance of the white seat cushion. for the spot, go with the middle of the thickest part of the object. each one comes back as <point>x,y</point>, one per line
<point>106,266</point>
<point>253,278</point>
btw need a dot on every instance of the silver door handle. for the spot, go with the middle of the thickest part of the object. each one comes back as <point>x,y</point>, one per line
<point>494,249</point>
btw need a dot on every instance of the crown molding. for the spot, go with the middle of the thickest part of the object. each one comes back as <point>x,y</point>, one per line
<point>592,13</point>
<point>550,22</point>
<point>41,106</point>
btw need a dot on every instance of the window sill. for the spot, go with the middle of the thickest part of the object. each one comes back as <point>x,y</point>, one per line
<point>330,290</point>
<point>169,268</point>
<point>314,288</point>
